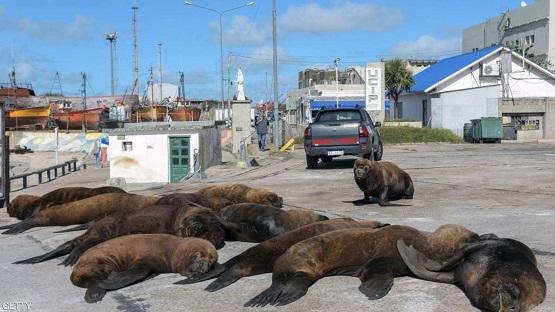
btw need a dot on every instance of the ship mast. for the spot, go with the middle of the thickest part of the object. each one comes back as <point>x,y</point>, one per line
<point>136,86</point>
<point>151,82</point>
<point>83,101</point>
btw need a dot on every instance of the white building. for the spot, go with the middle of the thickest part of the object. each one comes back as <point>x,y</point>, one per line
<point>482,84</point>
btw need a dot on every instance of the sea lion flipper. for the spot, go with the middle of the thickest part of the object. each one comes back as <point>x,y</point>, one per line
<point>281,294</point>
<point>94,294</point>
<point>117,280</point>
<point>377,276</point>
<point>416,261</point>
<point>22,226</point>
<point>228,277</point>
<point>216,270</point>
<point>74,255</point>
<point>63,249</point>
<point>80,227</point>
<point>9,226</point>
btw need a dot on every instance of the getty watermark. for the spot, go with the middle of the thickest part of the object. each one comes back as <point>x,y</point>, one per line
<point>15,306</point>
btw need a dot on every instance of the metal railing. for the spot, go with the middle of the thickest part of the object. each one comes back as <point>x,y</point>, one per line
<point>50,172</point>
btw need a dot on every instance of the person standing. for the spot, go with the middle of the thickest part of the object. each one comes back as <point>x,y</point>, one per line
<point>261,129</point>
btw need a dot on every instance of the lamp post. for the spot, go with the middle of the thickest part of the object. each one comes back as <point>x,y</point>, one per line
<point>336,62</point>
<point>220,14</point>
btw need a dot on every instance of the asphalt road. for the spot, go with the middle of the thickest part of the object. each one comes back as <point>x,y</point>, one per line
<point>506,189</point>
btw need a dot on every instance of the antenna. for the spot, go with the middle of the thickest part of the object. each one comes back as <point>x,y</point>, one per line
<point>160,69</point>
<point>57,82</point>
<point>112,38</point>
<point>136,86</point>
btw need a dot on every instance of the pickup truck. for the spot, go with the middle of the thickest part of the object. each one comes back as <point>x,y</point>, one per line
<point>339,132</point>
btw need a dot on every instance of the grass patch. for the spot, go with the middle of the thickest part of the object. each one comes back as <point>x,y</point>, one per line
<point>397,135</point>
<point>299,139</point>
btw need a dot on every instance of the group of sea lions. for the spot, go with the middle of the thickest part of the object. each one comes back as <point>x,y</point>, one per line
<point>130,237</point>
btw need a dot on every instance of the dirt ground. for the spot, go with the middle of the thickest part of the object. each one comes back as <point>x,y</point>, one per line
<point>506,189</point>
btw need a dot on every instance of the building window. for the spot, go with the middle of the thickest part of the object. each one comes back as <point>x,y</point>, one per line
<point>518,43</point>
<point>532,39</point>
<point>127,146</point>
<point>527,40</point>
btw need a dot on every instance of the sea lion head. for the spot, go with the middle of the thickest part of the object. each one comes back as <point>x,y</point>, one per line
<point>22,206</point>
<point>361,168</point>
<point>201,223</point>
<point>264,197</point>
<point>451,237</point>
<point>195,257</point>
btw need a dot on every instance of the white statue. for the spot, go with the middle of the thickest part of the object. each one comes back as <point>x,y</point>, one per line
<point>240,85</point>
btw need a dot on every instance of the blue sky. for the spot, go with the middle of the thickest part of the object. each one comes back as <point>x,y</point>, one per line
<point>41,37</point>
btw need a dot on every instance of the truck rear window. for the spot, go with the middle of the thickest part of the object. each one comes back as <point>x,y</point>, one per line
<point>340,116</point>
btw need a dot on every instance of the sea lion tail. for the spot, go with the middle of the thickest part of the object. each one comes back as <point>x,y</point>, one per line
<point>416,262</point>
<point>280,294</point>
<point>216,270</point>
<point>63,249</point>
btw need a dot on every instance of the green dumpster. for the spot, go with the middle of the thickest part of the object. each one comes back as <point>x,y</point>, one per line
<point>487,129</point>
<point>467,133</point>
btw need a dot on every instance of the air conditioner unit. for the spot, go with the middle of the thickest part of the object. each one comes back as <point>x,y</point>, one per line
<point>490,70</point>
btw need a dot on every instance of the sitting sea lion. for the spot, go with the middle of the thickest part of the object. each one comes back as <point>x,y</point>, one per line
<point>260,259</point>
<point>383,180</point>
<point>185,221</point>
<point>177,199</point>
<point>82,211</point>
<point>128,259</point>
<point>250,222</point>
<point>25,206</point>
<point>240,193</point>
<point>371,255</point>
<point>495,274</point>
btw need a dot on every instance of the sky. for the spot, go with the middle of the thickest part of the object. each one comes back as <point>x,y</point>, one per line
<point>42,37</point>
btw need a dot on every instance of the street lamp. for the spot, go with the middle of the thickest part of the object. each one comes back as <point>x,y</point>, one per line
<point>221,13</point>
<point>336,62</point>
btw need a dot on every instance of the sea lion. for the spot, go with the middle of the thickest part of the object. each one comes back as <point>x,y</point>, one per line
<point>383,180</point>
<point>260,259</point>
<point>82,211</point>
<point>128,259</point>
<point>177,199</point>
<point>250,222</point>
<point>185,221</point>
<point>371,255</point>
<point>240,193</point>
<point>496,274</point>
<point>24,206</point>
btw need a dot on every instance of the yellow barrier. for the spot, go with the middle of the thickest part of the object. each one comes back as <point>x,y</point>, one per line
<point>287,145</point>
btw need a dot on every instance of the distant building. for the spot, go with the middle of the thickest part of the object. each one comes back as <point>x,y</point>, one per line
<point>416,66</point>
<point>492,82</point>
<point>529,25</point>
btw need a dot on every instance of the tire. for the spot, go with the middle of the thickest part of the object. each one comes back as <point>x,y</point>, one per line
<point>311,162</point>
<point>378,154</point>
<point>327,159</point>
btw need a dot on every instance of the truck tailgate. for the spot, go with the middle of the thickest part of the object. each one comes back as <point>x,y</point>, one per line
<point>335,133</point>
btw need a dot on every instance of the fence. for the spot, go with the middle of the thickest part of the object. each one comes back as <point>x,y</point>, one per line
<point>51,172</point>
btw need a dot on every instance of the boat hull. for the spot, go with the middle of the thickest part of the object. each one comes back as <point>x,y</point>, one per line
<point>75,120</point>
<point>185,114</point>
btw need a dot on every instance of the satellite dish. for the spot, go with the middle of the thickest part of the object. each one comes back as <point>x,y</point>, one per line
<point>523,4</point>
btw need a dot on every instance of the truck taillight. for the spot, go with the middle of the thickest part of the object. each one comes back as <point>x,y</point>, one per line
<point>363,131</point>
<point>307,133</point>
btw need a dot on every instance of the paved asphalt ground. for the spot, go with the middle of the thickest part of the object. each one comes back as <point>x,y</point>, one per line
<point>506,189</point>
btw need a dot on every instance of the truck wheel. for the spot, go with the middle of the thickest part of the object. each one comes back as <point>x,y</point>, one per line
<point>311,162</point>
<point>378,154</point>
<point>327,159</point>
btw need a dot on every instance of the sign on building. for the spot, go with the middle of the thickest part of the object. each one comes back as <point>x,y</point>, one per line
<point>375,89</point>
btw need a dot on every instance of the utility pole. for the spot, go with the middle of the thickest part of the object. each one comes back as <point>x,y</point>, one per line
<point>182,85</point>
<point>229,80</point>
<point>151,81</point>
<point>275,73</point>
<point>112,38</point>
<point>336,62</point>
<point>160,70</point>
<point>136,86</point>
<point>83,101</point>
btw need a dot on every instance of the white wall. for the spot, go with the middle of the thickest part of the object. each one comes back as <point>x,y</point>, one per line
<point>148,162</point>
<point>453,109</point>
<point>412,105</point>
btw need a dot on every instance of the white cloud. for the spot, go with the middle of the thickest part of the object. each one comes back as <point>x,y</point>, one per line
<point>79,29</point>
<point>260,60</point>
<point>242,32</point>
<point>426,47</point>
<point>343,17</point>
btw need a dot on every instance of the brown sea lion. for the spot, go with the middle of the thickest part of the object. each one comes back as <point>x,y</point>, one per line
<point>240,193</point>
<point>382,180</point>
<point>82,211</point>
<point>495,274</point>
<point>370,255</point>
<point>260,259</point>
<point>250,222</point>
<point>128,259</point>
<point>177,199</point>
<point>185,221</point>
<point>24,206</point>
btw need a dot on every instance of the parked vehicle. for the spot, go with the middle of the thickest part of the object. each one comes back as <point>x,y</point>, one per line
<point>339,132</point>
